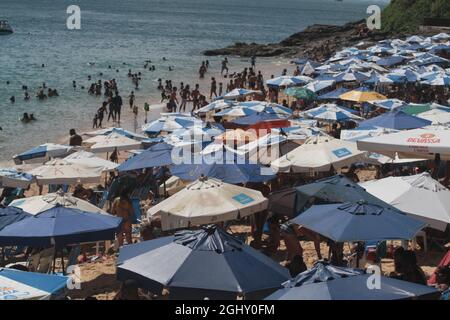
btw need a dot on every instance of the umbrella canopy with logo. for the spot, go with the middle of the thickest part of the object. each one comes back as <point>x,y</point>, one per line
<point>205,201</point>
<point>319,154</point>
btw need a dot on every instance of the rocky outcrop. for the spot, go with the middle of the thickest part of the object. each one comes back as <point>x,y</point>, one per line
<point>316,42</point>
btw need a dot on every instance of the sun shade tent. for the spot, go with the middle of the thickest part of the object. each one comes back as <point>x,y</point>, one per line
<point>112,142</point>
<point>362,96</point>
<point>319,154</point>
<point>301,93</point>
<point>21,285</point>
<point>239,93</point>
<point>360,221</point>
<point>397,120</point>
<point>231,171</point>
<point>205,263</point>
<point>38,204</point>
<point>436,116</point>
<point>326,282</point>
<point>10,215</point>
<point>42,153</point>
<point>420,196</point>
<point>288,81</point>
<point>333,95</point>
<point>157,155</point>
<point>89,159</point>
<point>207,201</point>
<point>12,178</point>
<point>335,189</point>
<point>58,227</point>
<point>422,143</point>
<point>332,112</point>
<point>61,171</point>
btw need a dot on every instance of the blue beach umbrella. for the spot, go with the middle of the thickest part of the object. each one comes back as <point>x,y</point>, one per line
<point>46,150</point>
<point>21,285</point>
<point>335,189</point>
<point>359,221</point>
<point>390,61</point>
<point>350,76</point>
<point>198,264</point>
<point>396,119</point>
<point>287,81</point>
<point>236,112</point>
<point>327,282</point>
<point>257,118</point>
<point>234,171</point>
<point>389,104</point>
<point>60,226</point>
<point>9,215</point>
<point>156,156</point>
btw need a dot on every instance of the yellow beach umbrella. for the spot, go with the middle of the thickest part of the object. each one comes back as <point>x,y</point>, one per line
<point>362,96</point>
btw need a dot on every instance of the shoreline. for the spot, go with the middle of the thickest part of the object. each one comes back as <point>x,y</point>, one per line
<point>265,65</point>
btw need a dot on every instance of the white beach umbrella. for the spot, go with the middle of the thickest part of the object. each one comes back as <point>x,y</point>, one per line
<point>319,154</point>
<point>107,131</point>
<point>419,195</point>
<point>111,142</point>
<point>89,159</point>
<point>207,201</point>
<point>436,115</point>
<point>418,143</point>
<point>38,204</point>
<point>61,171</point>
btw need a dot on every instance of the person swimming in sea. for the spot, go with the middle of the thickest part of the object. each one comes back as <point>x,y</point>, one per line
<point>25,118</point>
<point>12,99</point>
<point>26,96</point>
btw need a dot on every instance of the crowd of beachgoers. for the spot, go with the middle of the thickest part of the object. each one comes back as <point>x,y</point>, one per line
<point>307,176</point>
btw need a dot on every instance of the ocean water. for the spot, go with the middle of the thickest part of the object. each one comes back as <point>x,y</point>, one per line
<point>123,34</point>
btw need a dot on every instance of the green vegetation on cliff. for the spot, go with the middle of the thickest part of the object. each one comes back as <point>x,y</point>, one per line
<point>407,15</point>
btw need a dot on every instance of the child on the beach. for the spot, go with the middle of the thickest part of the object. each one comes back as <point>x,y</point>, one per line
<point>95,121</point>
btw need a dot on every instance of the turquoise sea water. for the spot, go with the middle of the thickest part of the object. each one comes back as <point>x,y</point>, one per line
<point>117,31</point>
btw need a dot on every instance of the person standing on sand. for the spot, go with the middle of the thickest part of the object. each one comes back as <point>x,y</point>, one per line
<point>131,99</point>
<point>220,89</point>
<point>195,95</point>
<point>213,88</point>
<point>202,70</point>
<point>253,61</point>
<point>185,95</point>
<point>173,100</point>
<point>112,107</point>
<point>123,208</point>
<point>101,113</point>
<point>75,139</point>
<point>224,66</point>
<point>118,106</point>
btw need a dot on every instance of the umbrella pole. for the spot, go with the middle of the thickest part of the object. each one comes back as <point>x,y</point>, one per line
<point>62,263</point>
<point>164,178</point>
<point>54,261</point>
